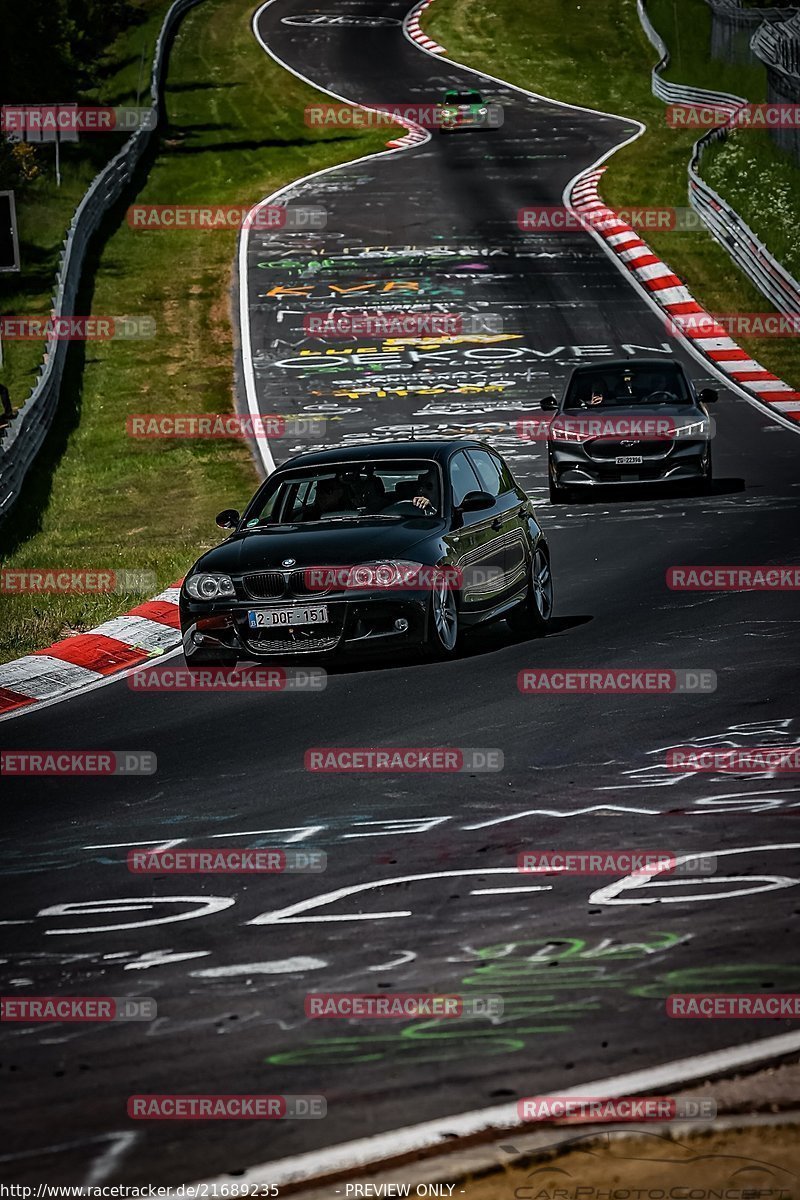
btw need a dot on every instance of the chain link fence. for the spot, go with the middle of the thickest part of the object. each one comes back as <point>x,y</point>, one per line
<point>26,434</point>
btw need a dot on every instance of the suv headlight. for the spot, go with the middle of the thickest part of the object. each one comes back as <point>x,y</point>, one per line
<point>692,429</point>
<point>571,432</point>
<point>207,586</point>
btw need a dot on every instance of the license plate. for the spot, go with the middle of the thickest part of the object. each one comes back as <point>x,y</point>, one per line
<point>625,460</point>
<point>275,618</point>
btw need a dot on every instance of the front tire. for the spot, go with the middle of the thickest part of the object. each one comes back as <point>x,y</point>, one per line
<point>442,625</point>
<point>532,617</point>
<point>559,495</point>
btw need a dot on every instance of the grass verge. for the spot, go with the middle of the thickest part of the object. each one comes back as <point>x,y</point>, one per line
<point>45,210</point>
<point>597,55</point>
<point>97,498</point>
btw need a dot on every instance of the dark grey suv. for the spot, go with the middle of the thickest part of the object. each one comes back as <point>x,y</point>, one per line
<point>637,420</point>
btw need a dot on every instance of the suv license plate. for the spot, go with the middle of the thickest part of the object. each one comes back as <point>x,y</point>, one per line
<point>283,618</point>
<point>625,460</point>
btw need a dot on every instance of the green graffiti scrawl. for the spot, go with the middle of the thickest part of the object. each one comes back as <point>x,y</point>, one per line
<point>546,987</point>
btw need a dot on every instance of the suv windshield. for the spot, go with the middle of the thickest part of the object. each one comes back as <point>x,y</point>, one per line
<point>615,387</point>
<point>349,491</point>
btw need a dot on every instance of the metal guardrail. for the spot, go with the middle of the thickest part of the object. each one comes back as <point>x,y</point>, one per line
<point>733,25</point>
<point>26,434</point>
<point>723,222</point>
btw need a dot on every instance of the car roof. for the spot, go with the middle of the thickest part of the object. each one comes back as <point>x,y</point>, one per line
<point>601,364</point>
<point>370,451</point>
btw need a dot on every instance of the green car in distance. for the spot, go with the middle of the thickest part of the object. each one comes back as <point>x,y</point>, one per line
<point>468,110</point>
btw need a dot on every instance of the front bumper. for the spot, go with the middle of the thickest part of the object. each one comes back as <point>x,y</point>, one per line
<point>575,465</point>
<point>363,624</point>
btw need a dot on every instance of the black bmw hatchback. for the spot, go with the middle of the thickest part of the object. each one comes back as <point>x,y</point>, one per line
<point>366,548</point>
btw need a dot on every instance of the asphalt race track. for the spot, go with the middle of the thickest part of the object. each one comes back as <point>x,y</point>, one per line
<point>583,976</point>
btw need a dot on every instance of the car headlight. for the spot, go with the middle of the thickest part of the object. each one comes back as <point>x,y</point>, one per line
<point>569,433</point>
<point>388,573</point>
<point>204,586</point>
<point>693,429</point>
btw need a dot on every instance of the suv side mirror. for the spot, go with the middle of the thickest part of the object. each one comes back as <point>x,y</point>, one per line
<point>476,502</point>
<point>229,518</point>
<point>708,396</point>
<point>549,404</point>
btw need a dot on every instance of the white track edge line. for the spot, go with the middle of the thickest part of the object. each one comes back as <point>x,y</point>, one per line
<point>371,1152</point>
<point>244,239</point>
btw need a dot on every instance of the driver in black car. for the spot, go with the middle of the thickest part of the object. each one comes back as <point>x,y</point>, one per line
<point>426,491</point>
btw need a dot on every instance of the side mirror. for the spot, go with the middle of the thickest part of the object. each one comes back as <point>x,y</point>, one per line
<point>229,518</point>
<point>708,396</point>
<point>549,404</point>
<point>476,502</point>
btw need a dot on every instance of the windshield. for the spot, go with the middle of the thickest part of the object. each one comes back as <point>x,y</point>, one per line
<point>349,491</point>
<point>463,98</point>
<point>616,387</point>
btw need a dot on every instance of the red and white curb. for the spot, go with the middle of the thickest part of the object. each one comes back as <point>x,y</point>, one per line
<point>146,632</point>
<point>686,316</point>
<point>415,136</point>
<point>414,31</point>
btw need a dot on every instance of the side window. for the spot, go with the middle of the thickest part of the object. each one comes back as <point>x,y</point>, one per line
<point>487,469</point>
<point>462,477</point>
<point>507,483</point>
